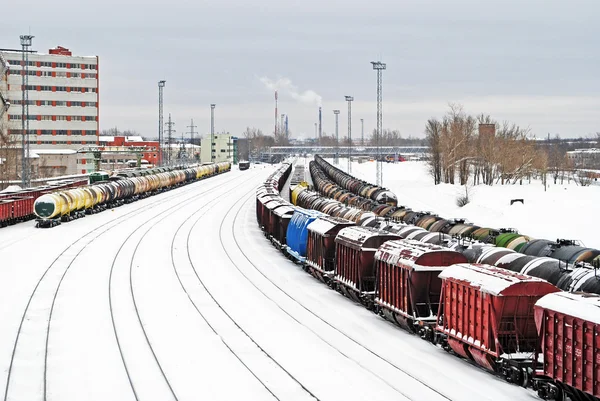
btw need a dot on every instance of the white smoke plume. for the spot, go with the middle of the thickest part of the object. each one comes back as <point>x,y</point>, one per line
<point>285,86</point>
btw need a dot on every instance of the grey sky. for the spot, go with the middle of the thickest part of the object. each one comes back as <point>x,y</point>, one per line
<point>534,63</point>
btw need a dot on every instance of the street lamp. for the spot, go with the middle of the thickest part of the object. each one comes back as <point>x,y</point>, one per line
<point>349,99</point>
<point>337,137</point>
<point>212,131</point>
<point>161,85</point>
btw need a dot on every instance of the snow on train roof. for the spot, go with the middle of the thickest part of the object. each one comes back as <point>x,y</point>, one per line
<point>360,234</point>
<point>489,279</point>
<point>326,223</point>
<point>409,251</point>
<point>580,305</point>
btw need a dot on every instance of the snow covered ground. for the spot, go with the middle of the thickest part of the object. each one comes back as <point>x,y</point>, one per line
<point>180,297</point>
<point>564,211</point>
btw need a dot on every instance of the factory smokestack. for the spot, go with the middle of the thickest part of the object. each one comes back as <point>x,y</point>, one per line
<point>320,125</point>
<point>276,114</point>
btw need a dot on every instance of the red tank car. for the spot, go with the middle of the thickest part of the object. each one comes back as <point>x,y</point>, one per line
<point>487,316</point>
<point>408,287</point>
<point>320,253</point>
<point>354,257</point>
<point>568,327</point>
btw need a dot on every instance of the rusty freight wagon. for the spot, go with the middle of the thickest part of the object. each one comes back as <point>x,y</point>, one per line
<point>486,315</point>
<point>354,259</point>
<point>568,327</point>
<point>320,253</point>
<point>408,287</point>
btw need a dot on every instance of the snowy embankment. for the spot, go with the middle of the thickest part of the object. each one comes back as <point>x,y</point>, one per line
<point>566,211</point>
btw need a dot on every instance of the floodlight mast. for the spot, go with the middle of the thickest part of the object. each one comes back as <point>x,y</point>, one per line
<point>379,67</point>
<point>349,99</point>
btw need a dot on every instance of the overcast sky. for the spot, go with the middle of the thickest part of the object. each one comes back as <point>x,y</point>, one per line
<point>534,63</point>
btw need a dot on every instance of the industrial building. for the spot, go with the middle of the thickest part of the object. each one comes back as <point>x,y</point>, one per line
<point>585,158</point>
<point>224,149</point>
<point>63,98</point>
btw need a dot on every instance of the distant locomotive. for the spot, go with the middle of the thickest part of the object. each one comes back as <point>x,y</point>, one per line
<point>244,165</point>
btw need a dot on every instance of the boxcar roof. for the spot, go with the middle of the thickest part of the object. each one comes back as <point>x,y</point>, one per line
<point>323,224</point>
<point>417,255</point>
<point>491,279</point>
<point>580,305</point>
<point>356,236</point>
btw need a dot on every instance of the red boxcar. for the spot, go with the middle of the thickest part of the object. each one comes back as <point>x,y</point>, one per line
<point>569,331</point>
<point>354,256</point>
<point>408,287</point>
<point>5,212</point>
<point>282,216</point>
<point>487,316</point>
<point>22,207</point>
<point>320,253</point>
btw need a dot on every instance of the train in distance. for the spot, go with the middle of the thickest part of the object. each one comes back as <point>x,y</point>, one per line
<point>244,165</point>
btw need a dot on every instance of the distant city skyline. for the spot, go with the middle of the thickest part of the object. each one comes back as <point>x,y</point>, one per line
<point>531,63</point>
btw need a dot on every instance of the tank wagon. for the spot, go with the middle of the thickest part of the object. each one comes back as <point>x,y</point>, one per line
<point>484,313</point>
<point>358,187</point>
<point>124,187</point>
<point>337,188</point>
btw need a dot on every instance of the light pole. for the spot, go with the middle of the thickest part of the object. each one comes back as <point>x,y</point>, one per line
<point>379,67</point>
<point>26,170</point>
<point>161,85</point>
<point>337,137</point>
<point>349,99</point>
<point>212,131</point>
<point>362,132</point>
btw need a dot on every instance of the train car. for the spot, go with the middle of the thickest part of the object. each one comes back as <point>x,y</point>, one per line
<point>568,327</point>
<point>486,315</point>
<point>244,165</point>
<point>297,233</point>
<point>320,253</point>
<point>354,260</point>
<point>407,284</point>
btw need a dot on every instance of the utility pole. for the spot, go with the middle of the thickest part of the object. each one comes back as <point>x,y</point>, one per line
<point>25,156</point>
<point>212,129</point>
<point>170,132</point>
<point>316,133</point>
<point>336,160</point>
<point>349,99</point>
<point>362,132</point>
<point>191,127</point>
<point>379,67</point>
<point>161,85</point>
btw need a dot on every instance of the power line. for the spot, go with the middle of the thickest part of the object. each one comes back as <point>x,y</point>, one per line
<point>170,132</point>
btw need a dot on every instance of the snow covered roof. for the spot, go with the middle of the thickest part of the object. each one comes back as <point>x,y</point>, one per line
<point>408,252</point>
<point>55,151</point>
<point>323,224</point>
<point>134,139</point>
<point>489,279</point>
<point>581,305</point>
<point>104,138</point>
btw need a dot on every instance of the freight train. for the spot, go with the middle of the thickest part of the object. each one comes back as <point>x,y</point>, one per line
<point>332,186</point>
<point>123,187</point>
<point>17,206</point>
<point>517,325</point>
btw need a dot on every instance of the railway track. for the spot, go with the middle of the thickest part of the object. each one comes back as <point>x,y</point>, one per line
<point>236,341</point>
<point>27,380</point>
<point>330,343</point>
<point>122,316</point>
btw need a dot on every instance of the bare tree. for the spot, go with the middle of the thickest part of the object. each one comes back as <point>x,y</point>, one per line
<point>432,133</point>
